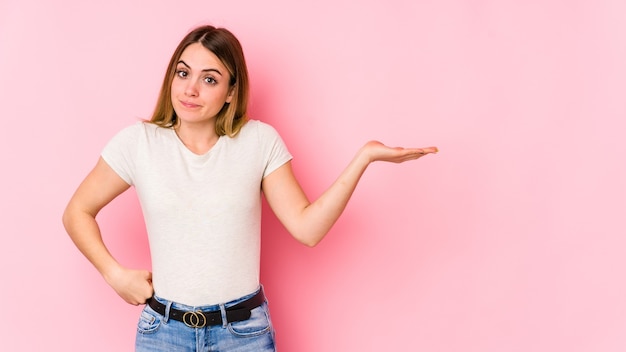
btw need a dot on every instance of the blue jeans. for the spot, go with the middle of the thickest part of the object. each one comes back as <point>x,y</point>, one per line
<point>157,333</point>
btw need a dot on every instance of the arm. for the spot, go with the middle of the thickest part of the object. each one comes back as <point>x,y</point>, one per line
<point>100,187</point>
<point>309,221</point>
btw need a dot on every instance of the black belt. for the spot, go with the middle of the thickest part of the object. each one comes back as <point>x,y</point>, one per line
<point>199,319</point>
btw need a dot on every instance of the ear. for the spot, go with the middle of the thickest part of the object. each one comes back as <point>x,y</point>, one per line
<point>231,94</point>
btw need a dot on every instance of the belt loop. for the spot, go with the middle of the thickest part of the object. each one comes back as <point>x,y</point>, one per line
<point>224,318</point>
<point>166,317</point>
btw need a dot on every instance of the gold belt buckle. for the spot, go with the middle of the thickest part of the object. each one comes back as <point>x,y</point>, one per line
<point>194,319</point>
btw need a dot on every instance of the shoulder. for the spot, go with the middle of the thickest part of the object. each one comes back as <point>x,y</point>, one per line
<point>134,129</point>
<point>140,128</point>
<point>136,134</point>
<point>258,128</point>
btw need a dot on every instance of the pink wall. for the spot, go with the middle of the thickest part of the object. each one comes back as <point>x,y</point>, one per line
<point>510,239</point>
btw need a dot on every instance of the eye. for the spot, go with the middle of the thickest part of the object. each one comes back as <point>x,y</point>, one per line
<point>181,73</point>
<point>210,80</point>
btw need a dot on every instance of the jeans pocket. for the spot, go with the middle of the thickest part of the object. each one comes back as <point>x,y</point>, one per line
<point>259,323</point>
<point>149,321</point>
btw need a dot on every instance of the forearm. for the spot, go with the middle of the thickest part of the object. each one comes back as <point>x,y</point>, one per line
<point>85,233</point>
<point>319,216</point>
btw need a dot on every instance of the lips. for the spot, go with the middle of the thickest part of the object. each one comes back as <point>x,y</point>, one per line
<point>189,105</point>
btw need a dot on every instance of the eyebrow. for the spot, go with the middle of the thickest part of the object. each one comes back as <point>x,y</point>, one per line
<point>205,70</point>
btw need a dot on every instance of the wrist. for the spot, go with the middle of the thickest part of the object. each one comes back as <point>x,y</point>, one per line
<point>363,157</point>
<point>111,271</point>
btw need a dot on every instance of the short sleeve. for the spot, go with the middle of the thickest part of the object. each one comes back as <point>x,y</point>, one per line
<point>277,152</point>
<point>121,151</point>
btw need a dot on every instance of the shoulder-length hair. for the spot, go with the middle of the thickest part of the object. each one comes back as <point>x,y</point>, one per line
<point>227,48</point>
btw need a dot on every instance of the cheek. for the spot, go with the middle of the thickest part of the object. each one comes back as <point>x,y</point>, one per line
<point>173,97</point>
<point>174,88</point>
<point>218,96</point>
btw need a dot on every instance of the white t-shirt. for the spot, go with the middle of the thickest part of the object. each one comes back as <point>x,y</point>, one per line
<point>202,212</point>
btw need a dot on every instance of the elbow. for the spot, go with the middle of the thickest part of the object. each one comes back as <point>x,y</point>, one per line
<point>66,218</point>
<point>71,215</point>
<point>308,233</point>
<point>309,240</point>
<point>310,243</point>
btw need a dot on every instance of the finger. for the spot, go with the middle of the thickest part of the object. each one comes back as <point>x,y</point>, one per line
<point>147,293</point>
<point>406,157</point>
<point>416,153</point>
<point>146,299</point>
<point>421,151</point>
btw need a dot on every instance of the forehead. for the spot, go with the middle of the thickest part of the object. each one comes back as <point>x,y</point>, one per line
<point>199,57</point>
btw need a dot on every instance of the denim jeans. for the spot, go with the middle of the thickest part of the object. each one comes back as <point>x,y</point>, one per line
<point>157,333</point>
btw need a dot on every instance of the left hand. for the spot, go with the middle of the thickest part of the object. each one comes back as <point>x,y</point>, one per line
<point>376,151</point>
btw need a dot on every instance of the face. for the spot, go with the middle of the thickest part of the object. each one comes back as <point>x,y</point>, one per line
<point>200,86</point>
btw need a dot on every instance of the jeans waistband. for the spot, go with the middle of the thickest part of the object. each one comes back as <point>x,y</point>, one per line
<point>199,317</point>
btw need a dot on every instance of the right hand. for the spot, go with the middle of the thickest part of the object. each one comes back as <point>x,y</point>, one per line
<point>134,286</point>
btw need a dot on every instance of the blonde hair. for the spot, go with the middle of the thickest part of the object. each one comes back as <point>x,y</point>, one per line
<point>227,48</point>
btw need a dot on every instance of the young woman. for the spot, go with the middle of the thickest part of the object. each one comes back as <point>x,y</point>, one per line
<point>199,167</point>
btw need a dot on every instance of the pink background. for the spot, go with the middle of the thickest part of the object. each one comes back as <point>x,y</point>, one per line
<point>510,239</point>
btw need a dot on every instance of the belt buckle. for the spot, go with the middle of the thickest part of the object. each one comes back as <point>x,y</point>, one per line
<point>194,319</point>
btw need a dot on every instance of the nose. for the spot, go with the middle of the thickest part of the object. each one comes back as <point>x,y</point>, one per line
<point>191,89</point>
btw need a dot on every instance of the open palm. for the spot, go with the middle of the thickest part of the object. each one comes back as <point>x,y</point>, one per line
<point>377,151</point>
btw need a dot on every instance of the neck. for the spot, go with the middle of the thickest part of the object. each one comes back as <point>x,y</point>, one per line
<point>198,138</point>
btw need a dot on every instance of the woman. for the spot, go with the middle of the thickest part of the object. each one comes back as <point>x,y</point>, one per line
<point>199,167</point>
